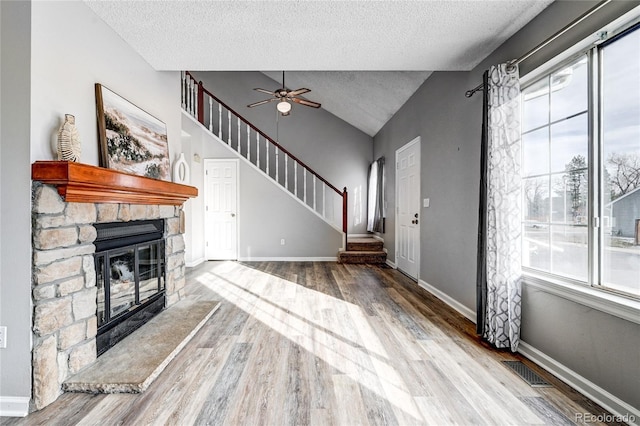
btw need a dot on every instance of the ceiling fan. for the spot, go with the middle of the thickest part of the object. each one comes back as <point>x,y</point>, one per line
<point>284,97</point>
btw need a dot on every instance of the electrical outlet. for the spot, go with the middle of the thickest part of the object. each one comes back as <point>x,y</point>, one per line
<point>3,337</point>
<point>282,242</point>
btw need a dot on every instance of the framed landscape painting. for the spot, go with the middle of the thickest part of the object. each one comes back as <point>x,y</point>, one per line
<point>131,140</point>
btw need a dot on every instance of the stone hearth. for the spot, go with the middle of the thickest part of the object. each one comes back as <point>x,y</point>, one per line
<point>64,281</point>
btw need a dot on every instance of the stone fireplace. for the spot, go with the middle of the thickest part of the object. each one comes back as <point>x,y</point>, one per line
<point>64,284</point>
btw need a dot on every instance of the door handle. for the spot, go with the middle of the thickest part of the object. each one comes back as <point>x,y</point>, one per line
<point>415,222</point>
<point>416,215</point>
<point>233,215</point>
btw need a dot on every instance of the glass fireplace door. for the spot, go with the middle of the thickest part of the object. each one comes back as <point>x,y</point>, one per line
<point>122,274</point>
<point>128,277</point>
<point>150,260</point>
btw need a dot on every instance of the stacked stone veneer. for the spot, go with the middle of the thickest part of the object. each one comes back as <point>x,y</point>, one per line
<point>64,281</point>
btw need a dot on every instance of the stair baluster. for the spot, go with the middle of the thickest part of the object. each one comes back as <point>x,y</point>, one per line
<point>257,148</point>
<point>194,103</point>
<point>286,172</point>
<point>211,115</point>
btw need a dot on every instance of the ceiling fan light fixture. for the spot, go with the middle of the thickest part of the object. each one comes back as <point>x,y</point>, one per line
<point>284,107</point>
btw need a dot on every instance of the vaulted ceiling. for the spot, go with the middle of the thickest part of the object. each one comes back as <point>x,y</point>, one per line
<point>361,59</point>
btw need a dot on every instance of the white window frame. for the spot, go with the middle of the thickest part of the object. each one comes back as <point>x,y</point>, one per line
<point>602,299</point>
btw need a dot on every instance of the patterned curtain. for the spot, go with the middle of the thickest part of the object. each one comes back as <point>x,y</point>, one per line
<point>375,210</point>
<point>500,273</point>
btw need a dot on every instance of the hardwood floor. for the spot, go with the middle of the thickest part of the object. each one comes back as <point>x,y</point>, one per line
<point>326,344</point>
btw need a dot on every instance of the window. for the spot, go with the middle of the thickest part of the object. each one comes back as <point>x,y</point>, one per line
<point>581,167</point>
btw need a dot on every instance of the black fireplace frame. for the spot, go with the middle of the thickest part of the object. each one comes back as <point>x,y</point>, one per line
<point>115,238</point>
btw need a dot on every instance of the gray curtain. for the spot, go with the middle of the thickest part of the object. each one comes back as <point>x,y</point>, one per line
<point>499,243</point>
<point>375,206</point>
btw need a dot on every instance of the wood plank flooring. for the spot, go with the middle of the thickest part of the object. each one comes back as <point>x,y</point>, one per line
<point>305,343</point>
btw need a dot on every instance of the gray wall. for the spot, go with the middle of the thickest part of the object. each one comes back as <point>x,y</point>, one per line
<point>266,213</point>
<point>600,347</point>
<point>15,199</point>
<point>333,148</point>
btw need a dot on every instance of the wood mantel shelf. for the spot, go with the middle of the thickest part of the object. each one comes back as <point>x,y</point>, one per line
<point>83,183</point>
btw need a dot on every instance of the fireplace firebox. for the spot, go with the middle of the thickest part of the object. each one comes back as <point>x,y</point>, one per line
<point>130,277</point>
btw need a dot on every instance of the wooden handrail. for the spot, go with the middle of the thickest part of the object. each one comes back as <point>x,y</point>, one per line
<point>195,106</point>
<point>202,89</point>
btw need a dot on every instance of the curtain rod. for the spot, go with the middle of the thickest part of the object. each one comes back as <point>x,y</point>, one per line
<point>547,42</point>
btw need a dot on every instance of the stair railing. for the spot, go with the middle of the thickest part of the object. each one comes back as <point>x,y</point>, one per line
<point>265,153</point>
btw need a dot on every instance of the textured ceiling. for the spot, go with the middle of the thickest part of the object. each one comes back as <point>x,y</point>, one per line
<point>322,36</point>
<point>366,100</point>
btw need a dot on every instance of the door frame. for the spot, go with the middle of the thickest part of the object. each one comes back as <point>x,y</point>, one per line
<point>207,162</point>
<point>414,141</point>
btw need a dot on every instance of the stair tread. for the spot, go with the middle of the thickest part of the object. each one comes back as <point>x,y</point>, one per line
<point>362,240</point>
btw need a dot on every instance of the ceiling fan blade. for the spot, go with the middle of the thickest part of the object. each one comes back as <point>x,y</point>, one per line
<point>299,92</point>
<point>268,92</point>
<point>266,101</point>
<point>306,103</point>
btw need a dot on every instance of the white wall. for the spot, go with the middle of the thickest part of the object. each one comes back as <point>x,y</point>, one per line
<point>53,52</point>
<point>194,208</point>
<point>72,49</point>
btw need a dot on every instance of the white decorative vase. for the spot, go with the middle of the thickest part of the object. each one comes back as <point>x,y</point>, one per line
<point>181,170</point>
<point>69,148</point>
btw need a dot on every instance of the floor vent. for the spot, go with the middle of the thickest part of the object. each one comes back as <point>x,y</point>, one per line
<point>527,374</point>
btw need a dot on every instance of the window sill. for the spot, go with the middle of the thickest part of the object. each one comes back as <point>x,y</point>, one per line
<point>610,303</point>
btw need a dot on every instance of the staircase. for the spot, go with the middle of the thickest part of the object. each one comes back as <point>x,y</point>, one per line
<point>363,250</point>
<point>266,155</point>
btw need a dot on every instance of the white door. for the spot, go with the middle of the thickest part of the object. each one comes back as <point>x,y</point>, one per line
<point>408,208</point>
<point>221,208</point>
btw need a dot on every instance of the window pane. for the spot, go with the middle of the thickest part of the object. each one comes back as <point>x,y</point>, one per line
<point>535,247</point>
<point>569,142</point>
<point>535,107</point>
<point>560,199</point>
<point>570,196</point>
<point>621,158</point>
<point>536,199</point>
<point>569,251</point>
<point>569,90</point>
<point>555,173</point>
<point>535,152</point>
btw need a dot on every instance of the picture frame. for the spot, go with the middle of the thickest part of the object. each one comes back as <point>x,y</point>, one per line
<point>130,139</point>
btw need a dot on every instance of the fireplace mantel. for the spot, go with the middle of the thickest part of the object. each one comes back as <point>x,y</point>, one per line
<point>83,183</point>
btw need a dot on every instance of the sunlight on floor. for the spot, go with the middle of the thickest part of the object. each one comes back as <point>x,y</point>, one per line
<point>333,330</point>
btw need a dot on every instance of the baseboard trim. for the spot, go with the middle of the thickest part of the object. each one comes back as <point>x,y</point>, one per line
<point>195,263</point>
<point>453,303</point>
<point>610,402</point>
<point>288,259</point>
<point>391,264</point>
<point>14,406</point>
<point>613,404</point>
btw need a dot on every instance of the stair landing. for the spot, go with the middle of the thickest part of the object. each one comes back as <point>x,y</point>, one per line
<point>363,250</point>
